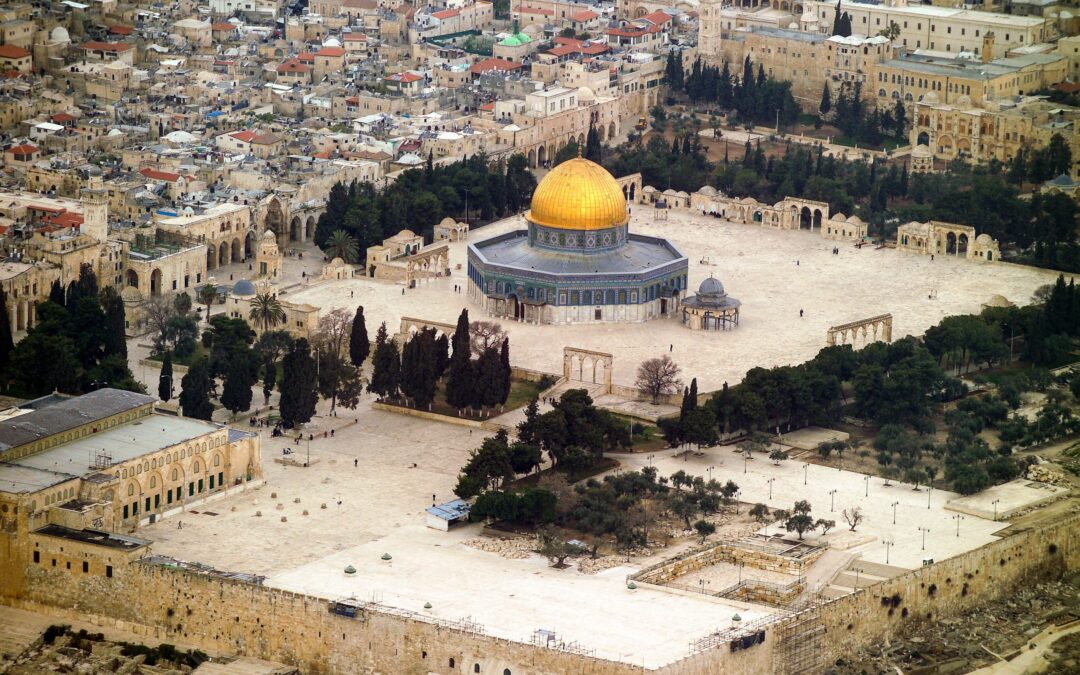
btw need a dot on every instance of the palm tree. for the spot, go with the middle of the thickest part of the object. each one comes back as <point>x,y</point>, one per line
<point>207,294</point>
<point>266,311</point>
<point>341,245</point>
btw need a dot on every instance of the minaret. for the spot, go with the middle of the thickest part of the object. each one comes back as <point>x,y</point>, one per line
<point>95,210</point>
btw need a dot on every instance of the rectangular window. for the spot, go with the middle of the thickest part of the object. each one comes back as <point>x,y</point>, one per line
<point>125,511</point>
<point>108,571</point>
<point>200,485</point>
<point>190,489</point>
<point>37,556</point>
<point>211,482</point>
<point>221,478</point>
<point>147,503</point>
<point>168,497</point>
<point>85,567</point>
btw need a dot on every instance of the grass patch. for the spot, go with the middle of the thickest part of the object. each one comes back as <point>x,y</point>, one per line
<point>185,361</point>
<point>521,392</point>
<point>598,467</point>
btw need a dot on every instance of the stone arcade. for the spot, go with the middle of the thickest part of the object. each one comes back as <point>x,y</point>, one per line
<point>577,262</point>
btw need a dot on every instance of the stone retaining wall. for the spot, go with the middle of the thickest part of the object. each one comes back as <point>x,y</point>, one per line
<point>671,570</point>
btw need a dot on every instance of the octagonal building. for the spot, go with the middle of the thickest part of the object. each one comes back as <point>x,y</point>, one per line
<point>577,262</point>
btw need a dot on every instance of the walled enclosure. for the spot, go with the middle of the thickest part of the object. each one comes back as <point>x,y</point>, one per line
<point>258,621</point>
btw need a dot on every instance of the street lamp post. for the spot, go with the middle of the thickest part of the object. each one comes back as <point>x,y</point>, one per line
<point>741,565</point>
<point>958,518</point>
<point>894,512</point>
<point>929,490</point>
<point>770,482</point>
<point>650,458</point>
<point>924,530</point>
<point>832,499</point>
<point>995,503</point>
<point>805,468</point>
<point>857,570</point>
<point>710,470</point>
<point>888,545</point>
<point>745,458</point>
<point>866,479</point>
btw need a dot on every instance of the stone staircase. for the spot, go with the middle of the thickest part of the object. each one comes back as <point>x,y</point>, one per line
<point>859,574</point>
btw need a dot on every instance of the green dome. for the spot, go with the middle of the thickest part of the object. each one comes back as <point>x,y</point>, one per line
<point>516,40</point>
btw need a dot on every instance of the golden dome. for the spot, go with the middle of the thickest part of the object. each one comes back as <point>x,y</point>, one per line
<point>578,195</point>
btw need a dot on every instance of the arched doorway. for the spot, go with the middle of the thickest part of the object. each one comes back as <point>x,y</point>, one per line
<point>611,132</point>
<point>806,219</point>
<point>962,244</point>
<point>155,282</point>
<point>211,256</point>
<point>541,156</point>
<point>294,229</point>
<point>515,307</point>
<point>950,243</point>
<point>275,220</point>
<point>309,229</point>
<point>131,278</point>
<point>249,244</point>
<point>223,253</point>
<point>531,158</point>
<point>237,250</point>
<point>817,219</point>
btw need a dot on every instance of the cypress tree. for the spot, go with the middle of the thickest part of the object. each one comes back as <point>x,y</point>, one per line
<point>56,293</point>
<point>236,395</point>
<point>298,385</point>
<point>418,369</point>
<point>269,377</point>
<point>460,389</point>
<point>6,343</point>
<point>359,347</point>
<point>195,391</point>
<point>691,402</point>
<point>488,378</point>
<point>115,322</point>
<point>507,371</point>
<point>164,387</point>
<point>826,100</point>
<point>386,366</point>
<point>442,355</point>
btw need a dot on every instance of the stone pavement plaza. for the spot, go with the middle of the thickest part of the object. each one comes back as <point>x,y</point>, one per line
<point>382,511</point>
<point>756,265</point>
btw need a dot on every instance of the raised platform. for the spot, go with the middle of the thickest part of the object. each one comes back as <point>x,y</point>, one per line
<point>1011,498</point>
<point>809,438</point>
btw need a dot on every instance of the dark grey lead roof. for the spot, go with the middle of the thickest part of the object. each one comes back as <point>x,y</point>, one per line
<point>641,254</point>
<point>73,412</point>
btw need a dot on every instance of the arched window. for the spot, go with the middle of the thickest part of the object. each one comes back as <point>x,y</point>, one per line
<point>131,490</point>
<point>217,460</point>
<point>196,468</point>
<point>452,662</point>
<point>174,474</point>
<point>476,668</point>
<point>153,481</point>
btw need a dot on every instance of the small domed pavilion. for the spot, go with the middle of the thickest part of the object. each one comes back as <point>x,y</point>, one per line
<point>711,309</point>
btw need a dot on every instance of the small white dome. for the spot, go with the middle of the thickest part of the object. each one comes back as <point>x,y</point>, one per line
<point>59,34</point>
<point>331,42</point>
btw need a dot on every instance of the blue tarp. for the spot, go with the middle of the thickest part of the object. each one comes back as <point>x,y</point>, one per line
<point>451,511</point>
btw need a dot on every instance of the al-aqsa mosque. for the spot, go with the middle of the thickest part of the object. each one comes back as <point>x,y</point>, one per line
<point>577,262</point>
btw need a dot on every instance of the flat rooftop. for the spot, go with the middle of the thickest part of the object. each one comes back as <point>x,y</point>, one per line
<point>107,539</point>
<point>67,414</point>
<point>124,442</point>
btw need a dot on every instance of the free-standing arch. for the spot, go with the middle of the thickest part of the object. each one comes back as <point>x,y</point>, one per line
<point>874,329</point>
<point>588,366</point>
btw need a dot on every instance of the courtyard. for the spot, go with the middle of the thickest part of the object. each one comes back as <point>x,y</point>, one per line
<point>775,273</point>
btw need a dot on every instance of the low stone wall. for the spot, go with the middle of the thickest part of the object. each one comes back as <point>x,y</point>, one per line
<point>670,570</point>
<point>156,365</point>
<point>424,414</point>
<point>765,593</point>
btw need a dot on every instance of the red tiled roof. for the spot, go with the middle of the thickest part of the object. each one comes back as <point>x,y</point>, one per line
<point>354,37</point>
<point>331,51</point>
<point>65,219</point>
<point>23,149</point>
<point>13,52</point>
<point>60,118</point>
<point>657,18</point>
<point>121,29</point>
<point>488,107</point>
<point>403,77</point>
<point>323,155</point>
<point>223,26</point>
<point>293,66</point>
<point>1067,87</point>
<point>446,14</point>
<point>115,47</point>
<point>245,136</point>
<point>493,64</point>
<point>154,174</point>
<point>585,15</point>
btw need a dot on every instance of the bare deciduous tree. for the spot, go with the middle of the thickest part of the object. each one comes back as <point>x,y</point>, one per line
<point>853,516</point>
<point>484,335</point>
<point>159,311</point>
<point>657,377</point>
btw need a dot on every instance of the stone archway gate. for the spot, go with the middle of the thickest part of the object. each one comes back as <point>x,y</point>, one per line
<point>874,329</point>
<point>411,326</point>
<point>427,263</point>
<point>586,365</point>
